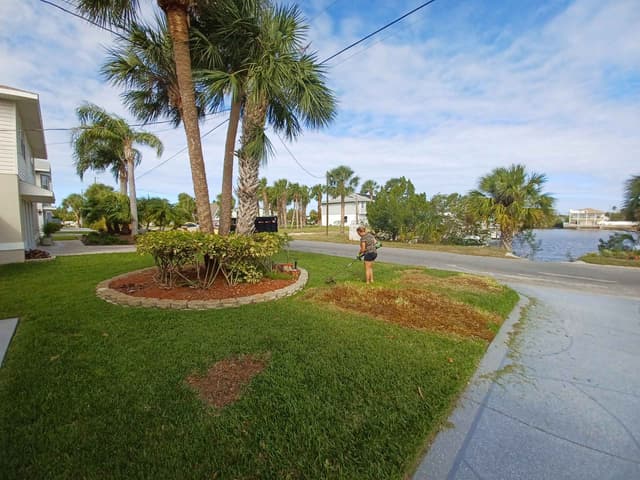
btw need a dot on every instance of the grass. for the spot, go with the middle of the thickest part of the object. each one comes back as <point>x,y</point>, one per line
<point>93,390</point>
<point>605,260</point>
<point>66,236</point>
<point>319,234</point>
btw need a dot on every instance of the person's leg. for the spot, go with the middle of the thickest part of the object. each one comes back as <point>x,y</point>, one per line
<point>368,268</point>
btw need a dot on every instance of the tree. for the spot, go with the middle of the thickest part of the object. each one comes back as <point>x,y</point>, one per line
<point>316,192</point>
<point>398,210</point>
<point>100,131</point>
<point>342,183</point>
<point>122,13</point>
<point>187,207</point>
<point>286,88</point>
<point>281,195</point>
<point>513,199</point>
<point>369,188</point>
<point>263,191</point>
<point>102,204</point>
<point>74,202</point>
<point>632,198</point>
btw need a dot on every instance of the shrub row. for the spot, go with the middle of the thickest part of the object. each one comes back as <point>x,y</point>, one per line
<point>238,258</point>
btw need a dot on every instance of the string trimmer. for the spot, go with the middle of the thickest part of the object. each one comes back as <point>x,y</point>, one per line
<point>332,279</point>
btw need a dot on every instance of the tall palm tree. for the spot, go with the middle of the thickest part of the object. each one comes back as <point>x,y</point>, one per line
<point>100,131</point>
<point>286,88</point>
<point>304,195</point>
<point>342,183</point>
<point>281,194</point>
<point>122,13</point>
<point>89,155</point>
<point>632,198</point>
<point>316,192</point>
<point>263,192</point>
<point>369,188</point>
<point>513,199</point>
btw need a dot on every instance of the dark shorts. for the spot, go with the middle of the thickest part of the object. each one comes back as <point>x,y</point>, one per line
<point>370,257</point>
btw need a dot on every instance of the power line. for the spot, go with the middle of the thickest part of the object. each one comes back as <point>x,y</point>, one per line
<point>85,19</point>
<point>180,151</point>
<point>377,31</point>
<point>295,159</point>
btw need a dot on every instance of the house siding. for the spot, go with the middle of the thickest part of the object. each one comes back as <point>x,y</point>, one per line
<point>8,144</point>
<point>26,165</point>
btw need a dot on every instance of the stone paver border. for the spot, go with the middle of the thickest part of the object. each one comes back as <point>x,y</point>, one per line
<point>118,298</point>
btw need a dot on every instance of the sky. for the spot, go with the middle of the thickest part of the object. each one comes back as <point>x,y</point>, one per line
<point>453,91</point>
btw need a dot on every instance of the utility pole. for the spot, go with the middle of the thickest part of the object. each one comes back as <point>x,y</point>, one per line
<point>327,202</point>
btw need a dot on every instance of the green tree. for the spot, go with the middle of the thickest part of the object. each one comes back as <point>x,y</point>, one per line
<point>100,131</point>
<point>513,199</point>
<point>369,188</point>
<point>263,192</point>
<point>632,198</point>
<point>286,88</point>
<point>102,204</point>
<point>187,207</point>
<point>122,13</point>
<point>398,210</point>
<point>342,183</point>
<point>316,192</point>
<point>281,196</point>
<point>74,202</point>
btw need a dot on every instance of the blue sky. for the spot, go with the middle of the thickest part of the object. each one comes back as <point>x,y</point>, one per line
<point>455,90</point>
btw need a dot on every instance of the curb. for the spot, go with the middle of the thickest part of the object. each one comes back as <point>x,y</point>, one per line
<point>118,298</point>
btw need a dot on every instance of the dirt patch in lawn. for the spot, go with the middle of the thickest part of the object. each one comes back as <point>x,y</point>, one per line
<point>225,380</point>
<point>461,281</point>
<point>142,284</point>
<point>412,307</point>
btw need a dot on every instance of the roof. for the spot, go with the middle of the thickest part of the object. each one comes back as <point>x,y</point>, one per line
<point>28,105</point>
<point>33,193</point>
<point>588,210</point>
<point>350,198</point>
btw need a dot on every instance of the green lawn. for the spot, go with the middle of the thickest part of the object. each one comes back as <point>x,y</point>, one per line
<point>604,260</point>
<point>93,390</point>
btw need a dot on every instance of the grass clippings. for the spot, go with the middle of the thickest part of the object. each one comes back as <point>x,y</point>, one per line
<point>414,308</point>
<point>225,380</point>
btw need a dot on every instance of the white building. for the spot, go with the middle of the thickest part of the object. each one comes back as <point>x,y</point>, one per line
<point>25,174</point>
<point>355,210</point>
<point>586,218</point>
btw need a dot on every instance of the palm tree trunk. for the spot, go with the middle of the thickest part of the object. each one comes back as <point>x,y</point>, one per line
<point>506,239</point>
<point>122,178</point>
<point>133,204</point>
<point>227,169</point>
<point>320,209</point>
<point>177,20</point>
<point>265,203</point>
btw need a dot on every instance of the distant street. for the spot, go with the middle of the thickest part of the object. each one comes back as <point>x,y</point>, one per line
<point>623,281</point>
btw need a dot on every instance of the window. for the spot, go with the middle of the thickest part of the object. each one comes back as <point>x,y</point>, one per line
<point>45,181</point>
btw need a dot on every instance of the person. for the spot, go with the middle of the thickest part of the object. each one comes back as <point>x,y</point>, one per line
<point>367,252</point>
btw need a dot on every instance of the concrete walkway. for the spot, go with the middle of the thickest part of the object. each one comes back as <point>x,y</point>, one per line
<point>76,247</point>
<point>7,328</point>
<point>558,398</point>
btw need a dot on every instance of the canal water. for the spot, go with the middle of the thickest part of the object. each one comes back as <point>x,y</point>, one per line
<point>563,245</point>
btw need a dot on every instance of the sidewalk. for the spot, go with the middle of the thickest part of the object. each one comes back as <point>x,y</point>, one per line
<point>76,247</point>
<point>557,399</point>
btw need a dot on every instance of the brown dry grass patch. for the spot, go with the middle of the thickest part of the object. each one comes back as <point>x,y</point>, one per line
<point>414,308</point>
<point>225,380</point>
<point>461,281</point>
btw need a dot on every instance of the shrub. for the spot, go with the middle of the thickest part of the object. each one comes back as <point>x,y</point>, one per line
<point>102,238</point>
<point>50,228</point>
<point>238,258</point>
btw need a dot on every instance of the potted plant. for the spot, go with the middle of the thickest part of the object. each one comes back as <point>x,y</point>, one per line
<point>49,229</point>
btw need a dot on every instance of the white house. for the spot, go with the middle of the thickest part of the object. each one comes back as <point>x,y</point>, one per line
<point>586,218</point>
<point>25,174</point>
<point>355,210</point>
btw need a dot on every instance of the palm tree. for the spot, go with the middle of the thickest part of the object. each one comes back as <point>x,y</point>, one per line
<point>369,188</point>
<point>121,13</point>
<point>304,195</point>
<point>285,87</point>
<point>74,202</point>
<point>100,131</point>
<point>632,198</point>
<point>263,191</point>
<point>513,199</point>
<point>316,192</point>
<point>281,194</point>
<point>99,158</point>
<point>342,183</point>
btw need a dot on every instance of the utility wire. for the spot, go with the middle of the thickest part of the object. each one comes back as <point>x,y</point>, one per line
<point>85,19</point>
<point>377,31</point>
<point>295,159</point>
<point>180,151</point>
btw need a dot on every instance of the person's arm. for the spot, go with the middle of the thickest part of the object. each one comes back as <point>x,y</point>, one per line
<point>363,248</point>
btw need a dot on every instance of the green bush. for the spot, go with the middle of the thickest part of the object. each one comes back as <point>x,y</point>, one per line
<point>238,258</point>
<point>50,228</point>
<point>102,238</point>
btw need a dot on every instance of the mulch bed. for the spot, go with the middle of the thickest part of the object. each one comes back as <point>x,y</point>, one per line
<point>224,381</point>
<point>142,284</point>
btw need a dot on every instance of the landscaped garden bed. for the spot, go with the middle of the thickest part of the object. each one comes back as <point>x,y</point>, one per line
<point>313,389</point>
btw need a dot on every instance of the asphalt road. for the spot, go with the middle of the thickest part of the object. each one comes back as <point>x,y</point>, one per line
<point>622,281</point>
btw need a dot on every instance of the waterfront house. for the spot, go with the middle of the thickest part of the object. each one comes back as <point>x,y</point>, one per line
<point>586,218</point>
<point>355,210</point>
<point>25,174</point>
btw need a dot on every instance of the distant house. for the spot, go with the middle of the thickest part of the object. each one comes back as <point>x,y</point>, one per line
<point>355,210</point>
<point>586,218</point>
<point>25,174</point>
